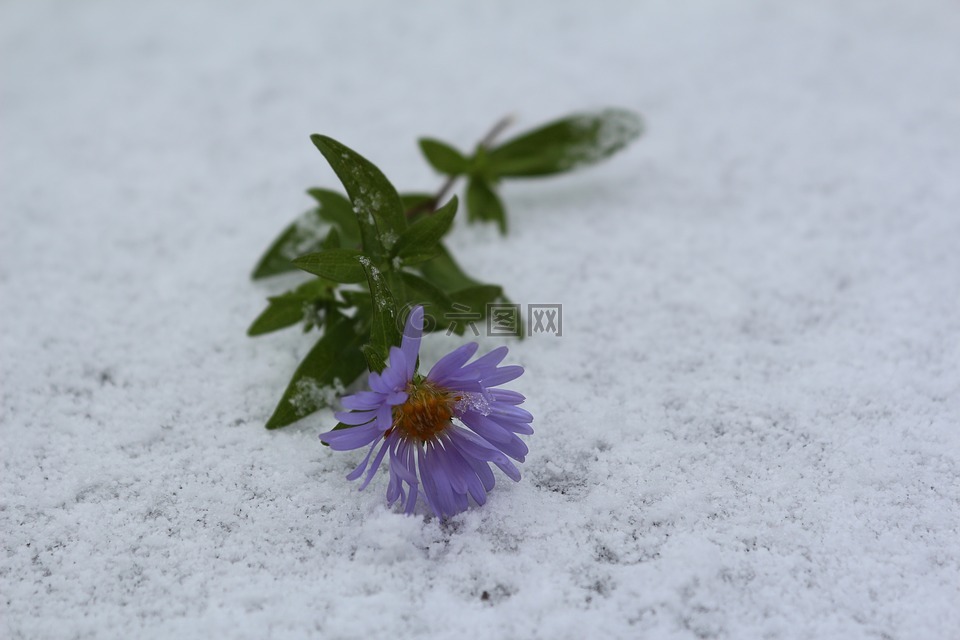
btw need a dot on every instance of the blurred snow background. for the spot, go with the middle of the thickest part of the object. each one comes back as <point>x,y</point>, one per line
<point>748,429</point>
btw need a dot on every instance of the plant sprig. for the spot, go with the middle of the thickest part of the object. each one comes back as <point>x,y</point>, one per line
<point>376,253</point>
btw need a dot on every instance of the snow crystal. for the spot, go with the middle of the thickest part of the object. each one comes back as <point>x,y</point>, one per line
<point>309,230</point>
<point>475,402</point>
<point>389,239</point>
<point>309,394</point>
<point>616,126</point>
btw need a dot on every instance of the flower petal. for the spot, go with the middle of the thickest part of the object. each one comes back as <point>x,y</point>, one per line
<point>356,473</point>
<point>394,487</point>
<point>485,364</point>
<point>507,396</point>
<point>397,398</point>
<point>362,400</point>
<point>484,427</point>
<point>385,417</point>
<point>449,460</point>
<point>410,343</point>
<point>483,472</point>
<point>395,375</point>
<point>510,412</point>
<point>441,481</point>
<point>472,446</point>
<point>412,500</point>
<point>515,448</point>
<point>509,469</point>
<point>452,362</point>
<point>351,438</point>
<point>355,417</point>
<point>429,487</point>
<point>375,382</point>
<point>469,472</point>
<point>376,463</point>
<point>502,374</point>
<point>523,428</point>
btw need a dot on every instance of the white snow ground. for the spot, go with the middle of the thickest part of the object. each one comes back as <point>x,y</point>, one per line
<point>748,429</point>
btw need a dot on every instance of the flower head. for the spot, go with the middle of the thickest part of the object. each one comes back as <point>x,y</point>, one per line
<point>411,418</point>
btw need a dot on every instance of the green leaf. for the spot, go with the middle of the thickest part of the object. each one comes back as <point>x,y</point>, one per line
<point>378,209</point>
<point>567,144</point>
<point>443,157</point>
<point>417,205</point>
<point>422,236</point>
<point>306,234</point>
<point>303,235</point>
<point>339,265</point>
<point>359,299</point>
<point>421,256</point>
<point>335,359</point>
<point>444,272</point>
<point>375,360</point>
<point>484,204</point>
<point>477,298</point>
<point>337,210</point>
<point>281,313</point>
<point>416,200</point>
<point>290,308</point>
<point>384,332</point>
<point>332,241</point>
<point>411,290</point>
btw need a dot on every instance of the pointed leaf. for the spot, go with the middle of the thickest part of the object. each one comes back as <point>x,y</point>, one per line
<point>484,204</point>
<point>339,265</point>
<point>384,332</point>
<point>290,308</point>
<point>412,290</point>
<point>477,298</point>
<point>280,314</point>
<point>303,235</point>
<point>412,200</point>
<point>337,210</point>
<point>375,360</point>
<point>567,144</point>
<point>444,272</point>
<point>443,157</point>
<point>332,241</point>
<point>377,206</point>
<point>422,236</point>
<point>420,257</point>
<point>360,300</point>
<point>334,361</point>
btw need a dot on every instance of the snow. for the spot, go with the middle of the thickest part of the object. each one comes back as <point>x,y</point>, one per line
<point>613,127</point>
<point>749,427</point>
<point>310,394</point>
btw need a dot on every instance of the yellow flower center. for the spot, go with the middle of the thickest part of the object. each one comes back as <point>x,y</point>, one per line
<point>425,414</point>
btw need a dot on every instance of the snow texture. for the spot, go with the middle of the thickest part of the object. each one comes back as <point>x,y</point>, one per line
<point>748,429</point>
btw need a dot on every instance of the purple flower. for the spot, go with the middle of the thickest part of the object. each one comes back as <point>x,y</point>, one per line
<point>410,418</point>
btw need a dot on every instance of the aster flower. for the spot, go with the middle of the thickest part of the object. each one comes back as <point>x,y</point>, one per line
<point>410,417</point>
